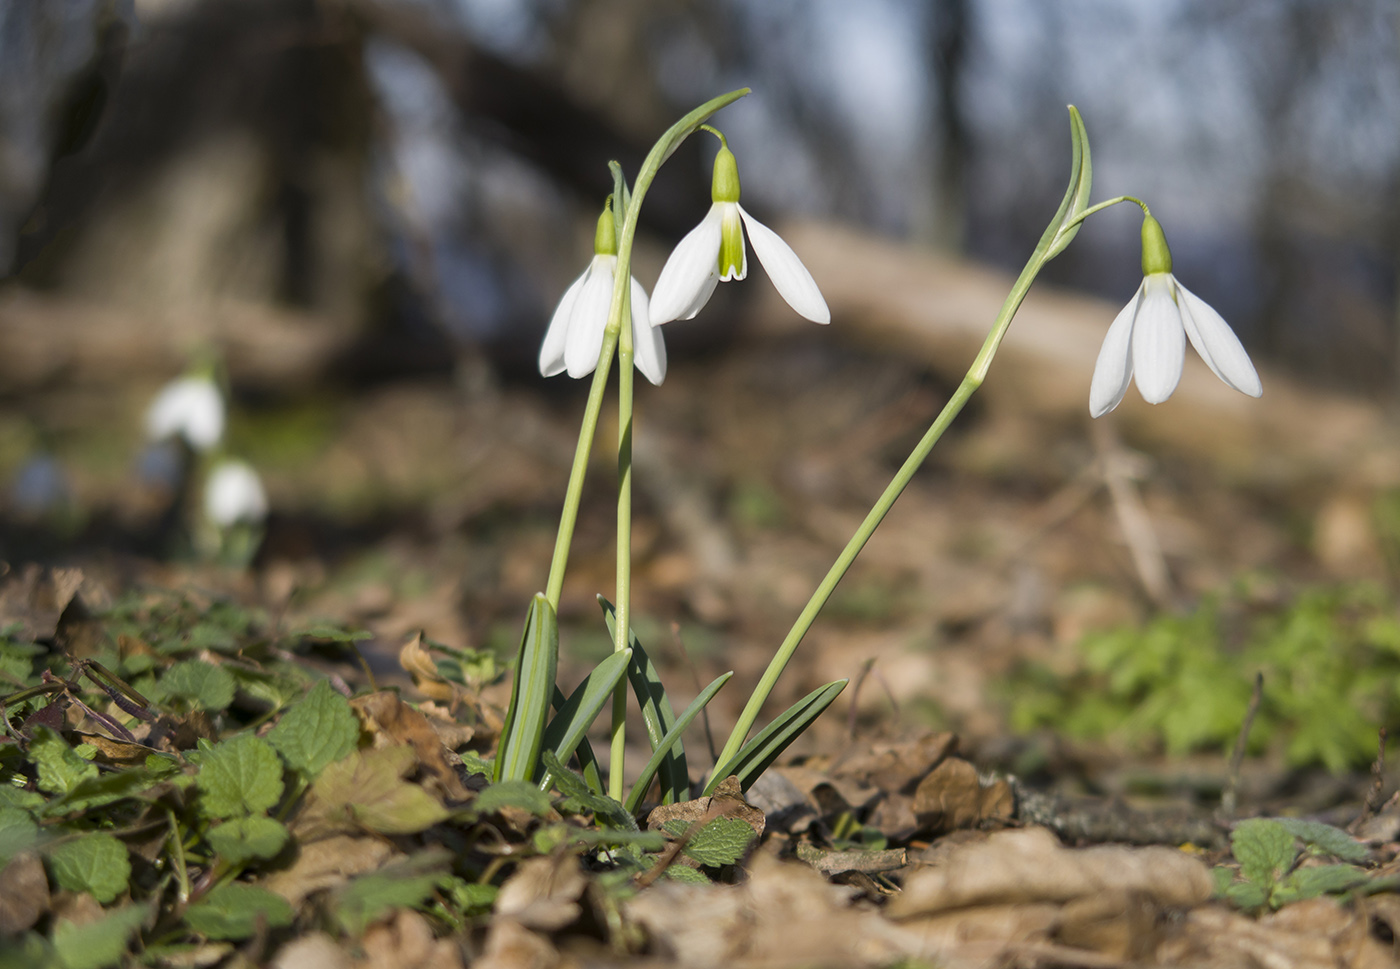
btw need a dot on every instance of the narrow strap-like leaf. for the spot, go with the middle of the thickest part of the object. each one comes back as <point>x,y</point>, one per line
<point>535,668</point>
<point>1076,200</point>
<point>756,755</point>
<point>659,754</point>
<point>582,708</point>
<point>658,716</point>
<point>587,760</point>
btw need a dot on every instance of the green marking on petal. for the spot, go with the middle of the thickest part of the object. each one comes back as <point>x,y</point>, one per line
<point>731,245</point>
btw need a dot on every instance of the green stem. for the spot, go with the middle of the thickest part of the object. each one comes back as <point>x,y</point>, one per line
<point>569,516</point>
<point>623,604</point>
<point>1070,223</point>
<point>975,375</point>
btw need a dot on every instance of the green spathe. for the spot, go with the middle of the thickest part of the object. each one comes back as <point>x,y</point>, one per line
<point>605,236</point>
<point>1156,257</point>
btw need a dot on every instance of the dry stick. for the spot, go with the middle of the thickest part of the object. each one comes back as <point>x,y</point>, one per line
<point>1133,518</point>
<point>1232,783</point>
<point>865,669</point>
<point>695,678</point>
<point>1375,796</point>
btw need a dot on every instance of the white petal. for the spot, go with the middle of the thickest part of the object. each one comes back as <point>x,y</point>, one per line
<point>792,280</point>
<point>688,272</point>
<point>1217,343</point>
<point>552,349</point>
<point>702,296</point>
<point>1114,369</point>
<point>648,348</point>
<point>234,493</point>
<point>1159,342</point>
<point>590,318</point>
<point>189,407</point>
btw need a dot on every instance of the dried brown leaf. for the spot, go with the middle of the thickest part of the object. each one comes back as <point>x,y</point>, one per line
<point>327,863</point>
<point>24,893</point>
<point>391,721</point>
<point>894,766</point>
<point>543,893</point>
<point>1315,934</point>
<point>407,942</point>
<point>314,951</point>
<point>509,945</point>
<point>952,796</point>
<point>1032,866</point>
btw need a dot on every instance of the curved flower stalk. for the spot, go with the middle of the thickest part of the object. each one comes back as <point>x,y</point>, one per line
<point>574,339</point>
<point>1148,337</point>
<point>714,252</point>
<point>190,408</point>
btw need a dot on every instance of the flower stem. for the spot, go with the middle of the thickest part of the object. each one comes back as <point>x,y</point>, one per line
<point>970,382</point>
<point>623,605</point>
<point>569,516</point>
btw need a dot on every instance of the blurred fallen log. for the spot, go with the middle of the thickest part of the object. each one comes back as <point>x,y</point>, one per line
<point>900,298</point>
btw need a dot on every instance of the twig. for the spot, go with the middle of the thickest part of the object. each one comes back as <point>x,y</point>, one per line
<point>695,678</point>
<point>1229,796</point>
<point>865,669</point>
<point>1133,519</point>
<point>1375,796</point>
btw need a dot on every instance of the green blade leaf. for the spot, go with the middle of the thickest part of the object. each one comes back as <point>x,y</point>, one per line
<point>318,729</point>
<point>755,756</point>
<point>657,714</point>
<point>99,944</point>
<point>582,708</point>
<point>535,670</point>
<point>662,749</point>
<point>1081,179</point>
<point>587,760</point>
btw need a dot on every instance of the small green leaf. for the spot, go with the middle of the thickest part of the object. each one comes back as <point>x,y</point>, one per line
<point>233,911</point>
<point>722,841</point>
<point>329,633</point>
<point>517,794</point>
<point>403,884</point>
<point>686,875</point>
<point>1325,880</point>
<point>239,776</point>
<point>319,729</point>
<point>60,768</point>
<point>1264,849</point>
<point>28,951</point>
<point>245,839</point>
<point>1326,839</point>
<point>579,797</point>
<point>1247,895</point>
<point>474,763</point>
<point>471,898</point>
<point>95,862</point>
<point>201,684</point>
<point>99,944</point>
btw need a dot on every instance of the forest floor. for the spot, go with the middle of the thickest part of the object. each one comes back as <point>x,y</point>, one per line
<point>1018,774</point>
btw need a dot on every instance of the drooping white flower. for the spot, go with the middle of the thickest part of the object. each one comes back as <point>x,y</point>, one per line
<point>714,251</point>
<point>190,407</point>
<point>575,335</point>
<point>234,494</point>
<point>1147,339</point>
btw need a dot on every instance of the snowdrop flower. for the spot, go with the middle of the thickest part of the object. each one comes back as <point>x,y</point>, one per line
<point>189,407</point>
<point>575,335</point>
<point>1148,338</point>
<point>234,494</point>
<point>714,251</point>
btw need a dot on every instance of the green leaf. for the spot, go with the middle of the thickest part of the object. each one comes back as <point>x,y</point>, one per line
<point>201,684</point>
<point>755,756</point>
<point>29,951</point>
<point>722,841</point>
<point>522,735</point>
<point>1319,880</point>
<point>1326,839</point>
<point>1264,849</point>
<point>471,898</point>
<point>18,797</point>
<point>582,708</point>
<point>317,730</point>
<point>99,944</point>
<point>517,794</point>
<point>1081,180</point>
<point>95,863</point>
<point>102,790</point>
<point>474,763</point>
<point>239,776</point>
<point>329,633</point>
<point>234,910</point>
<point>579,797</point>
<point>402,884</point>
<point>245,839</point>
<point>662,750</point>
<point>60,768</point>
<point>1247,895</point>
<point>686,875</point>
<point>18,833</point>
<point>368,787</point>
<point>657,714</point>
